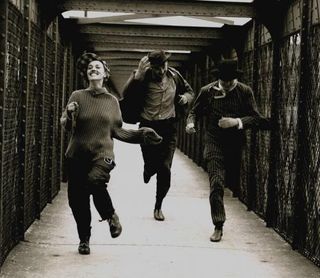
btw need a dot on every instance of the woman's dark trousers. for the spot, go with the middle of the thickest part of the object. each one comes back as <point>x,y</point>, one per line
<point>81,174</point>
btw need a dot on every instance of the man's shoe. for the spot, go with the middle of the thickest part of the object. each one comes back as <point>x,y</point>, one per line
<point>146,176</point>
<point>84,248</point>
<point>217,235</point>
<point>158,215</point>
<point>115,226</point>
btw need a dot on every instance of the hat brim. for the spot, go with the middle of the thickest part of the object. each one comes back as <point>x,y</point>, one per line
<point>227,76</point>
<point>156,61</point>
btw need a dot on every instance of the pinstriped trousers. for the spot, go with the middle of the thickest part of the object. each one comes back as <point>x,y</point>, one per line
<point>222,153</point>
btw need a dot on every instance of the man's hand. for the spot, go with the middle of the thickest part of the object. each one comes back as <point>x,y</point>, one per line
<point>144,64</point>
<point>183,100</point>
<point>228,122</point>
<point>190,128</point>
<point>72,107</point>
<point>150,137</point>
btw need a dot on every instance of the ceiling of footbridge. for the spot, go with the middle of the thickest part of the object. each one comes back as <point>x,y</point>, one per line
<point>123,31</point>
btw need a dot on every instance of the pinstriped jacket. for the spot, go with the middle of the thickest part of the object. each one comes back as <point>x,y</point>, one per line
<point>237,103</point>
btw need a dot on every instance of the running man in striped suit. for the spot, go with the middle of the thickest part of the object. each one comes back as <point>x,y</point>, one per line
<point>230,108</point>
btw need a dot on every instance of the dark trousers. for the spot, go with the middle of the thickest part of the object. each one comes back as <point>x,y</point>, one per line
<point>158,158</point>
<point>85,178</point>
<point>223,157</point>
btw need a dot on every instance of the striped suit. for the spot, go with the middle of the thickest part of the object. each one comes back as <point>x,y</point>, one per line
<point>223,147</point>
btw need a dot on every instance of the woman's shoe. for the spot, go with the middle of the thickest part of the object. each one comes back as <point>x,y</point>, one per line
<point>115,226</point>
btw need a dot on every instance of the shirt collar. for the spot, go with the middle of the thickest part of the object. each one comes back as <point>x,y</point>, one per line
<point>234,85</point>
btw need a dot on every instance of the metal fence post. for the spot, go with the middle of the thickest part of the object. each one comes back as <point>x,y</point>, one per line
<point>303,155</point>
<point>3,86</point>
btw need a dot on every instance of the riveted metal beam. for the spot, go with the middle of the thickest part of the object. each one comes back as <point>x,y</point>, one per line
<point>145,40</point>
<point>163,7</point>
<point>3,88</point>
<point>133,63</point>
<point>122,18</point>
<point>130,55</point>
<point>151,31</point>
<point>129,46</point>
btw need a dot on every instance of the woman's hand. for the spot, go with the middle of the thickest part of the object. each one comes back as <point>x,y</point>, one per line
<point>150,137</point>
<point>72,107</point>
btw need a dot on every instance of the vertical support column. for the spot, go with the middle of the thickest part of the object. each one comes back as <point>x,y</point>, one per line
<point>39,124</point>
<point>52,114</point>
<point>42,107</point>
<point>41,98</point>
<point>65,85</point>
<point>3,87</point>
<point>274,25</point>
<point>272,210</point>
<point>252,186</point>
<point>303,155</point>
<point>25,90</point>
<point>56,95</point>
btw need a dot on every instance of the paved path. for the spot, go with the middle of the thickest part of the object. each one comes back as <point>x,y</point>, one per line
<point>176,248</point>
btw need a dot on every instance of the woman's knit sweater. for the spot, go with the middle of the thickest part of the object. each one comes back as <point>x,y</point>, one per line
<point>95,123</point>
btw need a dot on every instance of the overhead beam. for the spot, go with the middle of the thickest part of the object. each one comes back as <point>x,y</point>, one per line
<point>163,7</point>
<point>115,46</point>
<point>151,31</point>
<point>110,19</point>
<point>130,55</point>
<point>145,40</point>
<point>123,18</point>
<point>132,63</point>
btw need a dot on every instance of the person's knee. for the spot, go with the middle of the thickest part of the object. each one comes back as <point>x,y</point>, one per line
<point>100,172</point>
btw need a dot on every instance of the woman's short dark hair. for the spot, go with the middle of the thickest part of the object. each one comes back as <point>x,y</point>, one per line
<point>85,59</point>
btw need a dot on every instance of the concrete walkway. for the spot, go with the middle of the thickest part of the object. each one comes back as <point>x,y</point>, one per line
<point>177,247</point>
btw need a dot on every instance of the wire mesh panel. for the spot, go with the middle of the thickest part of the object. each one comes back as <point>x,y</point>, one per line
<point>11,174</point>
<point>30,111</point>
<point>66,92</point>
<point>312,142</point>
<point>56,132</point>
<point>47,102</point>
<point>247,78</point>
<point>286,173</point>
<point>32,146</point>
<point>263,97</point>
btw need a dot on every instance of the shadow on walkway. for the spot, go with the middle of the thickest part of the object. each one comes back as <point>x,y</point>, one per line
<point>177,247</point>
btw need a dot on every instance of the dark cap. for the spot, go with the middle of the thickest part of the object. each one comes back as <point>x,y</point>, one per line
<point>86,58</point>
<point>158,57</point>
<point>227,70</point>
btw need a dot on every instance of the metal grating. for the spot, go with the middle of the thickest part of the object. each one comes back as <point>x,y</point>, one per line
<point>32,146</point>
<point>11,121</point>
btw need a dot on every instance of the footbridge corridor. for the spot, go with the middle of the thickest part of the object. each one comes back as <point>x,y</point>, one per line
<point>276,42</point>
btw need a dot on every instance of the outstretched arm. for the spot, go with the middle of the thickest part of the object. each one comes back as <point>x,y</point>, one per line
<point>143,135</point>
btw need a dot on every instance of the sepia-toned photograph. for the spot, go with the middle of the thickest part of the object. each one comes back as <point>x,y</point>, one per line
<point>159,139</point>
